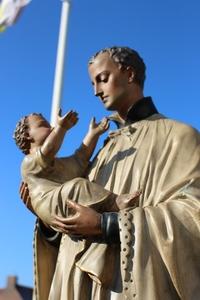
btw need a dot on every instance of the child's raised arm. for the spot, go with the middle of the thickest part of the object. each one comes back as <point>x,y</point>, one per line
<point>54,141</point>
<point>93,134</point>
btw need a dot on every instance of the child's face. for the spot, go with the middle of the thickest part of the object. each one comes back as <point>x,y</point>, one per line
<point>39,129</point>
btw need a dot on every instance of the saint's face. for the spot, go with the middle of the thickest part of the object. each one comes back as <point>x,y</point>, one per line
<point>39,129</point>
<point>111,84</point>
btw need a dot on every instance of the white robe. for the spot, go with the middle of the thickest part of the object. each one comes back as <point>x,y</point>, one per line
<point>159,254</point>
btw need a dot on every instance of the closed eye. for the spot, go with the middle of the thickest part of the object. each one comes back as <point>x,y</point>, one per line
<point>103,77</point>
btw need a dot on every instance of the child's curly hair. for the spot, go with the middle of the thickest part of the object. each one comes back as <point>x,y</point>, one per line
<point>21,134</point>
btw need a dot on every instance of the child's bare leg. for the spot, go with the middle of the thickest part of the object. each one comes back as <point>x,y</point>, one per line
<point>95,196</point>
<point>84,192</point>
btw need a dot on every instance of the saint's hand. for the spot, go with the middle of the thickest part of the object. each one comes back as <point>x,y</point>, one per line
<point>84,222</point>
<point>24,195</point>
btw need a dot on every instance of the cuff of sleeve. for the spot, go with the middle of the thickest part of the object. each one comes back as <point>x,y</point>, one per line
<point>110,227</point>
<point>51,236</point>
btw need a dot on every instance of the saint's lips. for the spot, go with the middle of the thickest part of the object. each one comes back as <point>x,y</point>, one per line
<point>104,99</point>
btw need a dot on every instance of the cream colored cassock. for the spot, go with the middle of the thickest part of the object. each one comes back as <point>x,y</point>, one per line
<point>52,183</point>
<point>159,254</point>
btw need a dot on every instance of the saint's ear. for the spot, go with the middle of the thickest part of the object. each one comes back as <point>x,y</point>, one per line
<point>131,74</point>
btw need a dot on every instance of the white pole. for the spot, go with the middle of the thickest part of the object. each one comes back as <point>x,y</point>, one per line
<point>60,61</point>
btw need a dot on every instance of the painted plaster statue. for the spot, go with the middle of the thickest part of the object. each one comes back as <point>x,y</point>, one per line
<point>53,181</point>
<point>147,252</point>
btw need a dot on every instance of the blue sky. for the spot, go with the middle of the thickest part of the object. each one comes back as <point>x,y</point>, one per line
<point>166,34</point>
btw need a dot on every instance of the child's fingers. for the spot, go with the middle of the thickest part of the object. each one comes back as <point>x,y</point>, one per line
<point>67,115</point>
<point>107,124</point>
<point>104,124</point>
<point>74,118</point>
<point>59,112</point>
<point>92,121</point>
<point>74,121</point>
<point>73,115</point>
<point>104,120</point>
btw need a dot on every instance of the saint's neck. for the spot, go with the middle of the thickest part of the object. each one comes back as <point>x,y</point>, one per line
<point>133,97</point>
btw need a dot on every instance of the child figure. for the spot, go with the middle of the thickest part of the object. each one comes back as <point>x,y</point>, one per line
<point>52,181</point>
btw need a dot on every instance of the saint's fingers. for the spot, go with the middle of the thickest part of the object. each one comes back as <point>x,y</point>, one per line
<point>68,221</point>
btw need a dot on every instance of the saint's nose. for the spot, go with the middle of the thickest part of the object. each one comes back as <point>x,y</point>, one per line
<point>98,91</point>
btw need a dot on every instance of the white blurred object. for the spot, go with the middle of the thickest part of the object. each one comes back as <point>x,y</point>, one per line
<point>60,61</point>
<point>10,11</point>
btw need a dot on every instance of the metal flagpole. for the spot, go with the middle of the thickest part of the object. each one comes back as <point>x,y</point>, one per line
<point>60,61</point>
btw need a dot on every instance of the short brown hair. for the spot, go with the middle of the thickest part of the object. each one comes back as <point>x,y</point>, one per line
<point>126,57</point>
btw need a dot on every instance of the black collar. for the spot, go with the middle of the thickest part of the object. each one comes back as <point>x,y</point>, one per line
<point>141,110</point>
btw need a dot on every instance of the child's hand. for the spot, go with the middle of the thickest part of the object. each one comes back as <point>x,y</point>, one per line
<point>68,120</point>
<point>98,128</point>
